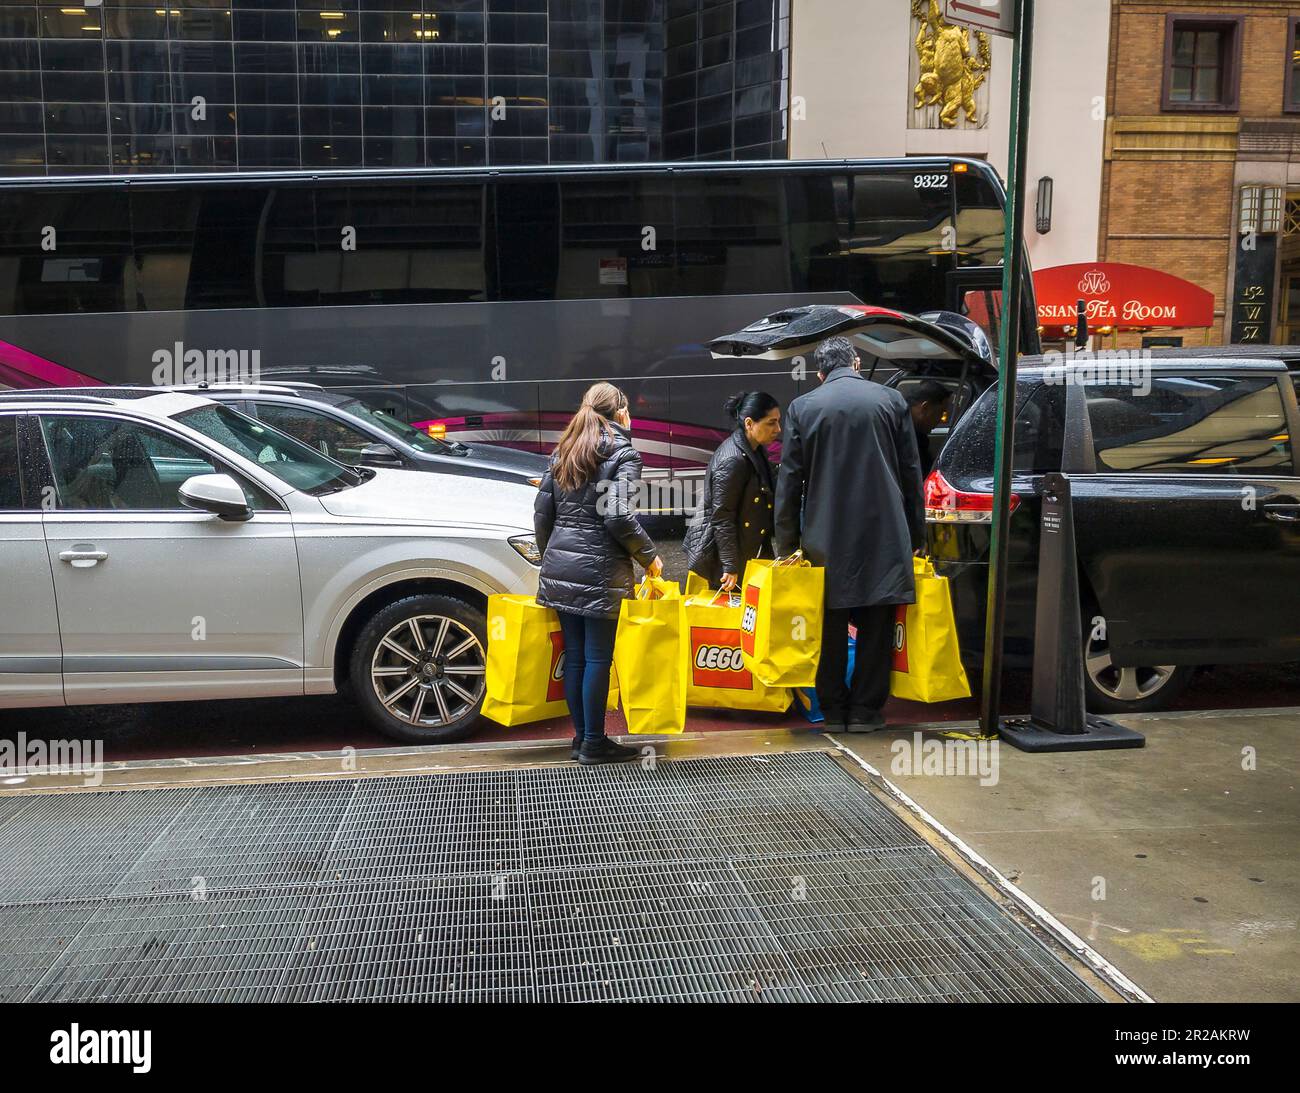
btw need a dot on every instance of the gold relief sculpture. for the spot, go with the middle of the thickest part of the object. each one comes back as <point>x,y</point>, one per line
<point>950,75</point>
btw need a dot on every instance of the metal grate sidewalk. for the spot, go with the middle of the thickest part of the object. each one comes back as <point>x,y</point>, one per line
<point>765,878</point>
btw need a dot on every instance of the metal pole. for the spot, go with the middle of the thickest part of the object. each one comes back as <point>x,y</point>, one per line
<point>1013,271</point>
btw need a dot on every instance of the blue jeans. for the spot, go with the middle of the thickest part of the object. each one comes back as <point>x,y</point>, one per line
<point>588,653</point>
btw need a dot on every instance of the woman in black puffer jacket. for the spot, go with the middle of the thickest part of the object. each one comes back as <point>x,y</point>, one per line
<point>588,533</point>
<point>734,521</point>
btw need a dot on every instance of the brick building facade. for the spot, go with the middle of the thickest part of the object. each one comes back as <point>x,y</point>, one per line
<point>1202,158</point>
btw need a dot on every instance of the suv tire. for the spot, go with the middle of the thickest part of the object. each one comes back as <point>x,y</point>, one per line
<point>1111,690</point>
<point>418,668</point>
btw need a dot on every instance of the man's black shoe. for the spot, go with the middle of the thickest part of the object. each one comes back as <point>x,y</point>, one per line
<point>859,723</point>
<point>833,724</point>
<point>605,750</point>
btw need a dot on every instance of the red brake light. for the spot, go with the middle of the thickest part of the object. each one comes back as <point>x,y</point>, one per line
<point>945,504</point>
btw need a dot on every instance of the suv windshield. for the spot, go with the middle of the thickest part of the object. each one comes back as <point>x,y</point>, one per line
<point>295,463</point>
<point>409,434</point>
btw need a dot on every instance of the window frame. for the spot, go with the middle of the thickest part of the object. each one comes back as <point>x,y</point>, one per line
<point>1229,101</point>
<point>28,499</point>
<point>1290,82</point>
<point>1086,462</point>
<point>307,406</point>
<point>42,456</point>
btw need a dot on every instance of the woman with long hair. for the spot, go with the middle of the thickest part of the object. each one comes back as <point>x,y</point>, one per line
<point>735,518</point>
<point>589,535</point>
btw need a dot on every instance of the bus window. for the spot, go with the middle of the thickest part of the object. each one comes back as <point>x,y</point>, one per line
<point>731,236</point>
<point>225,247</point>
<point>63,253</point>
<point>979,221</point>
<point>617,238</point>
<point>288,244</point>
<point>528,239</point>
<point>162,233</point>
<point>413,244</point>
<point>815,207</point>
<point>898,238</point>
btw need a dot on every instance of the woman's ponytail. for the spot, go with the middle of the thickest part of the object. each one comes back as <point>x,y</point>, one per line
<point>577,455</point>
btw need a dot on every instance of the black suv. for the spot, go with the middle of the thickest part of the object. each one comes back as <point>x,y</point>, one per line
<point>1187,515</point>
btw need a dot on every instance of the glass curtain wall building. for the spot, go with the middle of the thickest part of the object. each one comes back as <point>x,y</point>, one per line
<point>97,86</point>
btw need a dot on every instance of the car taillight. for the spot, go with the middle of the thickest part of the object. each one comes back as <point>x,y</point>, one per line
<point>945,504</point>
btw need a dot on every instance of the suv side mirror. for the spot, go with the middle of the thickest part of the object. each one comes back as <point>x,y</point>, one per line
<point>218,494</point>
<point>380,455</point>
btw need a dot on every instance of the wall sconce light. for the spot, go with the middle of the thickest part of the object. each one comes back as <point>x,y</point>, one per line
<point>1043,210</point>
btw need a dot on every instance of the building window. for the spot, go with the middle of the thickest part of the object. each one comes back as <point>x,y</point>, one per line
<point>1202,63</point>
<point>1292,100</point>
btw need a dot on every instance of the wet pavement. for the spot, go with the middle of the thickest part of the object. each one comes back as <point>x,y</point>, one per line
<point>265,725</point>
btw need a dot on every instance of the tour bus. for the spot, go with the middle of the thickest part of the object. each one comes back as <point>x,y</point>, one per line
<point>481,302</point>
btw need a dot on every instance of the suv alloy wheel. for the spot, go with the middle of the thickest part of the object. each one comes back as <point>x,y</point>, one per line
<point>1111,689</point>
<point>418,668</point>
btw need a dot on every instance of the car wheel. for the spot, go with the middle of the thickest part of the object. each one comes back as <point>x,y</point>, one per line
<point>418,669</point>
<point>1111,689</point>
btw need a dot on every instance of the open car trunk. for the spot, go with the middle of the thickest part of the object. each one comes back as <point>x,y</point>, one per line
<point>896,348</point>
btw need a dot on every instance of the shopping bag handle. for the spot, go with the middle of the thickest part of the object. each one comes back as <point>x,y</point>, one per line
<point>646,591</point>
<point>795,559</point>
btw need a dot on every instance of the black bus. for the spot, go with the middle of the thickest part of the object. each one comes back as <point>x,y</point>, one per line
<point>483,301</point>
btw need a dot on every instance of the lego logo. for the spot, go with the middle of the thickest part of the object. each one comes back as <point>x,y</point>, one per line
<point>748,619</point>
<point>557,669</point>
<point>719,658</point>
<point>900,636</point>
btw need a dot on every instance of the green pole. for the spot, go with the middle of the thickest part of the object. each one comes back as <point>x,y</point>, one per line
<point>1013,272</point>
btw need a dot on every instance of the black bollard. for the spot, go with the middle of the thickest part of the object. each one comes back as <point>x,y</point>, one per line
<point>1058,720</point>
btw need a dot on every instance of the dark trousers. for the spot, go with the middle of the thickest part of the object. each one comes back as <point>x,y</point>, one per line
<point>864,696</point>
<point>588,653</point>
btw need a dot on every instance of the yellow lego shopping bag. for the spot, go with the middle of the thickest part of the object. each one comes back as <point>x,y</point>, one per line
<point>927,659</point>
<point>718,676</point>
<point>651,658</point>
<point>781,625</point>
<point>525,663</point>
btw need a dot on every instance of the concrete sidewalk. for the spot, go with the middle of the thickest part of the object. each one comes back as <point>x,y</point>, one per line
<point>1196,856</point>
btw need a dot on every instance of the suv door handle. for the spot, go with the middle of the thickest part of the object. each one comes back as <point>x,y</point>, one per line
<point>83,559</point>
<point>1284,512</point>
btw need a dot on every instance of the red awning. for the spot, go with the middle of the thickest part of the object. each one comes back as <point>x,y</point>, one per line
<point>1119,296</point>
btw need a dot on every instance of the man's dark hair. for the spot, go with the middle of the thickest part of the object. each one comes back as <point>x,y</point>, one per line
<point>927,393</point>
<point>833,353</point>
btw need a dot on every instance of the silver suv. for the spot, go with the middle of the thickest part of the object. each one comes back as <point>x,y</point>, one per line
<point>161,547</point>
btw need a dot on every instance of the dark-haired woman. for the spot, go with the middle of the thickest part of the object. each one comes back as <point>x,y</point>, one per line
<point>734,522</point>
<point>588,533</point>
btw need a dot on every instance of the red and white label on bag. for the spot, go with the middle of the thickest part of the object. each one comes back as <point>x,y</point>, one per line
<point>900,639</point>
<point>555,683</point>
<point>716,660</point>
<point>749,618</point>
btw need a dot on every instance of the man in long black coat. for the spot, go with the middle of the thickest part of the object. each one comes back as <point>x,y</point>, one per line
<point>849,494</point>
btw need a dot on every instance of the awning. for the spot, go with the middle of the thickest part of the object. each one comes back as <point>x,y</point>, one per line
<point>1119,297</point>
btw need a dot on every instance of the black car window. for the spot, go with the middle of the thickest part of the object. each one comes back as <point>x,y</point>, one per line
<point>326,434</point>
<point>1040,432</point>
<point>1191,425</point>
<point>11,494</point>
